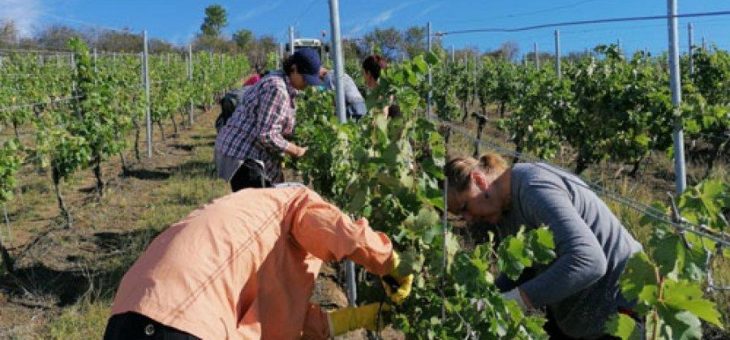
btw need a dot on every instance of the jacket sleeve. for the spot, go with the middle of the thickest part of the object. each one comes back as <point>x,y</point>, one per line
<point>271,116</point>
<point>580,259</point>
<point>327,233</point>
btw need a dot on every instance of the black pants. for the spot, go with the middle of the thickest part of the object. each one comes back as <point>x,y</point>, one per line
<point>554,332</point>
<point>251,175</point>
<point>133,326</point>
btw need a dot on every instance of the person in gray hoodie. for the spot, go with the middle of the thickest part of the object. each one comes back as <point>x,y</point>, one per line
<point>580,288</point>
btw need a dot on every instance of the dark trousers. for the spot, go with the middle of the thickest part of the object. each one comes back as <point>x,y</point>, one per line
<point>133,326</point>
<point>251,175</point>
<point>554,332</point>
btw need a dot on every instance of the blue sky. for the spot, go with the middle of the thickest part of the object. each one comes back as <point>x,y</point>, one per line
<point>179,20</point>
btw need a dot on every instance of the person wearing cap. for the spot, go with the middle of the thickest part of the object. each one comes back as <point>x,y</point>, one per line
<point>354,102</point>
<point>250,146</point>
<point>244,267</point>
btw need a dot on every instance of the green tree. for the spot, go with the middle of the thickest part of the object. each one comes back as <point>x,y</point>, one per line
<point>414,40</point>
<point>215,20</point>
<point>243,38</point>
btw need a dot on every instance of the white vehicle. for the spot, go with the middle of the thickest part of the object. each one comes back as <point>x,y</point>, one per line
<point>322,48</point>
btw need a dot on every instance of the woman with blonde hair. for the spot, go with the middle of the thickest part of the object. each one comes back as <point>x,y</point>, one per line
<point>580,288</point>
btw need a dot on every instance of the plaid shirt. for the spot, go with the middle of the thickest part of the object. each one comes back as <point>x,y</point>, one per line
<point>257,128</point>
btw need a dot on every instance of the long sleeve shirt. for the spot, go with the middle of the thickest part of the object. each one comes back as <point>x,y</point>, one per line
<point>244,266</point>
<point>355,103</point>
<point>581,286</point>
<point>262,121</point>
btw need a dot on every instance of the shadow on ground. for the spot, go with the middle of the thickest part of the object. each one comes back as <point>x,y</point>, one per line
<point>93,275</point>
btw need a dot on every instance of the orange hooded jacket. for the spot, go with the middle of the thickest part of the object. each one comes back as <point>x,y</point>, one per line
<point>244,266</point>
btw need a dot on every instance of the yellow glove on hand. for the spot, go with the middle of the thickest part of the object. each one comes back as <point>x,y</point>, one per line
<point>396,286</point>
<point>348,319</point>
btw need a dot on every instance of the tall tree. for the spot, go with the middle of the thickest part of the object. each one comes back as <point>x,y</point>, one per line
<point>414,40</point>
<point>8,33</point>
<point>388,41</point>
<point>56,37</point>
<point>243,39</point>
<point>215,19</point>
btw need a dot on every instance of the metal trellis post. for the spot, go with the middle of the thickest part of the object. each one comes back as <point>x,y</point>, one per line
<point>557,53</point>
<point>676,86</point>
<point>430,78</point>
<point>148,115</point>
<point>338,60</point>
<point>537,57</point>
<point>690,38</point>
<point>291,40</point>
<point>190,79</point>
<point>340,104</point>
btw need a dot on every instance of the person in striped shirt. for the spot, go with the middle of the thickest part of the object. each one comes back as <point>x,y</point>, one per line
<point>250,146</point>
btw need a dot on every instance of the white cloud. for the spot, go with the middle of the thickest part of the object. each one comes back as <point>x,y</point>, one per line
<point>376,20</point>
<point>257,11</point>
<point>427,10</point>
<point>24,13</point>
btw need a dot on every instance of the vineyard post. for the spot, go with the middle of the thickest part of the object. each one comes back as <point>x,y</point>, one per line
<point>291,40</point>
<point>338,60</point>
<point>675,83</point>
<point>340,105</point>
<point>557,53</point>
<point>95,59</point>
<point>190,79</point>
<point>429,44</point>
<point>146,78</point>
<point>7,226</point>
<point>445,221</point>
<point>40,60</point>
<point>537,57</point>
<point>690,38</point>
<point>280,60</point>
<point>453,55</point>
<point>58,60</point>
<point>704,44</point>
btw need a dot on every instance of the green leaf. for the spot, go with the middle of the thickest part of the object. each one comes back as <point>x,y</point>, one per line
<point>624,327</point>
<point>639,280</point>
<point>687,296</point>
<point>432,59</point>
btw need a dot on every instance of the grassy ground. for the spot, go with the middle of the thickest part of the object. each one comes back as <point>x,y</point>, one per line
<point>66,278</point>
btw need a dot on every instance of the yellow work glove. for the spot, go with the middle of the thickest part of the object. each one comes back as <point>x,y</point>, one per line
<point>397,287</point>
<point>348,319</point>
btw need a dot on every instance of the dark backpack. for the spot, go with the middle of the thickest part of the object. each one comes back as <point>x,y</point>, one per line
<point>228,105</point>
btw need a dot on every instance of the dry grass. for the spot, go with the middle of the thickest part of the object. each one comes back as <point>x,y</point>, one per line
<point>66,278</point>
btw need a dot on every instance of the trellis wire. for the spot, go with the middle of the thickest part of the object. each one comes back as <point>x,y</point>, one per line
<point>24,106</point>
<point>652,212</point>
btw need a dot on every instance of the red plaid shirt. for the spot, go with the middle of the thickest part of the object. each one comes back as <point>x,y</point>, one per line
<point>257,128</point>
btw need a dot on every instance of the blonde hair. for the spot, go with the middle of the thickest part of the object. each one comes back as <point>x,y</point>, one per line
<point>458,169</point>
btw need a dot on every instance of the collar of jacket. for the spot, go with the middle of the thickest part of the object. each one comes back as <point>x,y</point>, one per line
<point>293,93</point>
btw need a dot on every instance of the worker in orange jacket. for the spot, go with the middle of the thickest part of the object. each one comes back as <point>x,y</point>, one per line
<point>244,266</point>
